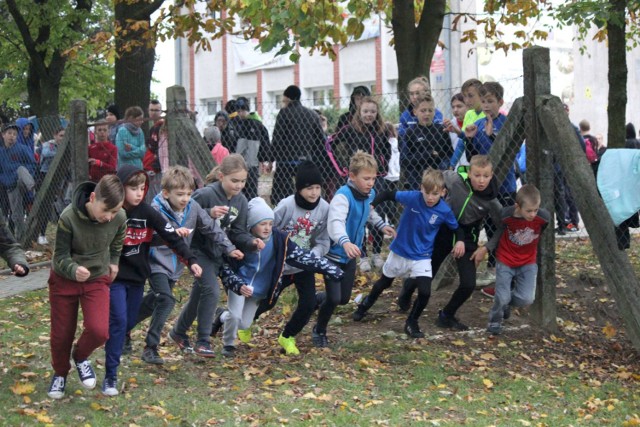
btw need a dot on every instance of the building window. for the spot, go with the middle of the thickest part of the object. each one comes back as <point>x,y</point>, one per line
<point>213,106</point>
<point>322,97</point>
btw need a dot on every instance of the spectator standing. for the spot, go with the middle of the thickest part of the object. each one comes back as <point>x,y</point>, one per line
<point>151,160</point>
<point>297,136</point>
<point>252,145</point>
<point>358,93</point>
<point>228,132</point>
<point>130,139</point>
<point>631,140</point>
<point>113,116</point>
<point>103,155</point>
<point>417,88</point>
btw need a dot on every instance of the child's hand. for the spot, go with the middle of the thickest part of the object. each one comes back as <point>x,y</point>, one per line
<point>458,249</point>
<point>478,255</point>
<point>218,211</point>
<point>18,270</point>
<point>236,254</point>
<point>82,274</point>
<point>389,231</point>
<point>246,291</point>
<point>183,231</point>
<point>470,131</point>
<point>488,128</point>
<point>351,250</point>
<point>259,244</point>
<point>449,126</point>
<point>92,161</point>
<point>113,271</point>
<point>196,270</point>
<point>127,147</point>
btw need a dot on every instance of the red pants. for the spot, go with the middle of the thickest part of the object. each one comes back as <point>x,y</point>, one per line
<point>64,297</point>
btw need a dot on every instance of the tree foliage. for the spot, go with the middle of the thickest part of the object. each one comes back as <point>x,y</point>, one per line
<point>35,39</point>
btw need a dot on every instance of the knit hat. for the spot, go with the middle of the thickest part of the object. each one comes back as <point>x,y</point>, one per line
<point>308,174</point>
<point>113,109</point>
<point>259,211</point>
<point>212,134</point>
<point>293,93</point>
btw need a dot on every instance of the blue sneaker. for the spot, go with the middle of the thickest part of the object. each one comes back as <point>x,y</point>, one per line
<point>110,386</point>
<point>56,388</point>
<point>86,374</point>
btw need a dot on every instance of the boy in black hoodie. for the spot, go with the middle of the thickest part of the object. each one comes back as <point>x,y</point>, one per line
<point>126,291</point>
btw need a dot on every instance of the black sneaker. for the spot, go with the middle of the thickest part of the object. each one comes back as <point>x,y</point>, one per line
<point>182,341</point>
<point>506,313</point>
<point>229,351</point>
<point>151,355</point>
<point>217,322</point>
<point>413,330</point>
<point>128,346</point>
<point>561,231</point>
<point>86,374</point>
<point>110,386</point>
<point>360,312</point>
<point>494,329</point>
<point>319,339</point>
<point>449,322</point>
<point>203,349</point>
<point>56,388</point>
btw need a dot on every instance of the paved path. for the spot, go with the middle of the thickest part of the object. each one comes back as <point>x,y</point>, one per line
<point>12,285</point>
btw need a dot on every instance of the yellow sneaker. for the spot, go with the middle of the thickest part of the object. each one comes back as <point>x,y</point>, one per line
<point>289,344</point>
<point>244,335</point>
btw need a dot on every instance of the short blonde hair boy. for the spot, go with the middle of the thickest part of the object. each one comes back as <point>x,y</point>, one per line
<point>480,161</point>
<point>362,161</point>
<point>432,179</point>
<point>177,177</point>
<point>528,194</point>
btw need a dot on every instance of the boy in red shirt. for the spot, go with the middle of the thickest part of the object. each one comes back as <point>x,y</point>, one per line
<point>521,226</point>
<point>103,155</point>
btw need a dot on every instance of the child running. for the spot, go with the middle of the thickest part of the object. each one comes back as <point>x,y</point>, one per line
<point>127,289</point>
<point>349,212</point>
<point>189,219</point>
<point>226,204</point>
<point>411,251</point>
<point>85,262</point>
<point>519,231</point>
<point>259,275</point>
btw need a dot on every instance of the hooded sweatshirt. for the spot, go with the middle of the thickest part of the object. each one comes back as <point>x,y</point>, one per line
<point>142,221</point>
<point>28,141</point>
<point>163,260</point>
<point>81,241</point>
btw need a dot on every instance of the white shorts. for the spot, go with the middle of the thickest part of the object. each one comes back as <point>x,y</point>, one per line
<point>398,266</point>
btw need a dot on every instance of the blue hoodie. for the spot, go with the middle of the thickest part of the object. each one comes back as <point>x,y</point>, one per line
<point>28,141</point>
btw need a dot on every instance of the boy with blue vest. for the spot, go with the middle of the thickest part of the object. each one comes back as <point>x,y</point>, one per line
<point>349,211</point>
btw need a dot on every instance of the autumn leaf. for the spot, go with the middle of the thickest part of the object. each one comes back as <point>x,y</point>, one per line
<point>609,331</point>
<point>459,343</point>
<point>23,388</point>
<point>487,383</point>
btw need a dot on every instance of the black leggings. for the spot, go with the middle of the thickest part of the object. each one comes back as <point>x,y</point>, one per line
<point>306,288</point>
<point>338,293</point>
<point>466,270</point>
<point>423,284</point>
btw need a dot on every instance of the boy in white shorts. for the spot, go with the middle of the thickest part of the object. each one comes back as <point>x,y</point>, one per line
<point>411,250</point>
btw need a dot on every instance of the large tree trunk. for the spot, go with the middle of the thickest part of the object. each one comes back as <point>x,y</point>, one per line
<point>135,53</point>
<point>415,45</point>
<point>617,53</point>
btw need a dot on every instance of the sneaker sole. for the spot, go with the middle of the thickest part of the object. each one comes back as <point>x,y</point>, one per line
<point>205,355</point>
<point>177,341</point>
<point>110,393</point>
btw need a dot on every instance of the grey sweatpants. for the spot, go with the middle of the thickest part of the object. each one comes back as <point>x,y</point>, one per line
<point>522,294</point>
<point>240,316</point>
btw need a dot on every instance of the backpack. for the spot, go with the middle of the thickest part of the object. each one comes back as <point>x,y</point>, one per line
<point>591,148</point>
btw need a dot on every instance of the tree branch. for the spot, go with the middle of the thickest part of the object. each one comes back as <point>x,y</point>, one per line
<point>29,43</point>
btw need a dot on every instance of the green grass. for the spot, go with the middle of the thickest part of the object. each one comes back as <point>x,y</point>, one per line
<point>364,380</point>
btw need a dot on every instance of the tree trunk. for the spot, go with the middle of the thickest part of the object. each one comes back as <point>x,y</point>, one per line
<point>135,53</point>
<point>415,45</point>
<point>618,271</point>
<point>617,53</point>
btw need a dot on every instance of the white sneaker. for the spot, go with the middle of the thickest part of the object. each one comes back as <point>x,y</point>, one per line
<point>365,265</point>
<point>378,262</point>
<point>42,240</point>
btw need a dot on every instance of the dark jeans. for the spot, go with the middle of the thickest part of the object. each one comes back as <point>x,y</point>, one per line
<point>157,304</point>
<point>251,187</point>
<point>338,292</point>
<point>306,289</point>
<point>124,305</point>
<point>466,270</point>
<point>283,181</point>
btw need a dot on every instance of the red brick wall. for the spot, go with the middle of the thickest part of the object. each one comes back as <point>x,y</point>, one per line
<point>259,91</point>
<point>336,77</point>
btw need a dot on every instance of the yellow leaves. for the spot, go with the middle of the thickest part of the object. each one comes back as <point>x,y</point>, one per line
<point>322,397</point>
<point>281,381</point>
<point>23,388</point>
<point>488,356</point>
<point>609,331</point>
<point>41,416</point>
<point>98,407</point>
<point>632,422</point>
<point>487,383</point>
<point>459,343</point>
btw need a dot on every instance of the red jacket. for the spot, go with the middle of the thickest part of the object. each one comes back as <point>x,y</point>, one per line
<point>106,155</point>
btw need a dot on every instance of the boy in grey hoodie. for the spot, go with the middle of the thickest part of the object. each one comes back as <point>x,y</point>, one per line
<point>188,218</point>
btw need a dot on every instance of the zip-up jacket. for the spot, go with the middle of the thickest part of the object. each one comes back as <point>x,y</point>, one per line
<point>287,252</point>
<point>10,249</point>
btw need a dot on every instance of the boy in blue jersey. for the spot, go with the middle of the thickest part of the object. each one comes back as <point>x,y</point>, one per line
<point>349,212</point>
<point>412,249</point>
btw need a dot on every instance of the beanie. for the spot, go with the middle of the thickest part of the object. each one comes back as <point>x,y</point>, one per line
<point>258,211</point>
<point>113,109</point>
<point>308,174</point>
<point>293,93</point>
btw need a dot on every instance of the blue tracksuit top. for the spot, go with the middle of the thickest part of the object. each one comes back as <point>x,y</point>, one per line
<point>355,224</point>
<point>482,143</point>
<point>419,225</point>
<point>257,267</point>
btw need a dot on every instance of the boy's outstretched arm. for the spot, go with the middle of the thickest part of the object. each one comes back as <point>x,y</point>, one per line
<point>306,260</point>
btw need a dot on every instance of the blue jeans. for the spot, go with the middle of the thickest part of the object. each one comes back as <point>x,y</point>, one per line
<point>521,295</point>
<point>124,303</point>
